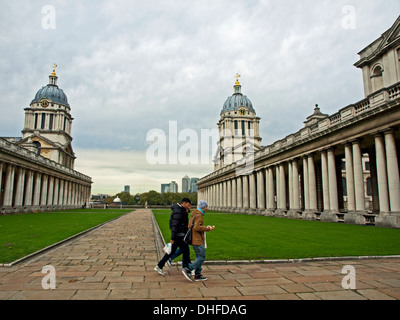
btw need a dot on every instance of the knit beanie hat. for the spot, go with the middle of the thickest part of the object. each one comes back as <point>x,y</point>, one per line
<point>202,204</point>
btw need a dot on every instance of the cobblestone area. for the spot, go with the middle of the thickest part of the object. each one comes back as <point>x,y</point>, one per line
<point>116,261</point>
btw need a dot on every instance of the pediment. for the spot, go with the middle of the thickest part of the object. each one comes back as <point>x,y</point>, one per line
<point>390,36</point>
<point>45,143</point>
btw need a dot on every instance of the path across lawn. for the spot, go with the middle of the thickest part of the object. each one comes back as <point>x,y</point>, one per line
<point>250,237</point>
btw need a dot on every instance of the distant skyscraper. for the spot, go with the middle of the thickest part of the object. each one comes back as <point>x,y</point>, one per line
<point>165,188</point>
<point>185,184</point>
<point>193,185</point>
<point>127,189</point>
<point>173,187</point>
<point>169,187</point>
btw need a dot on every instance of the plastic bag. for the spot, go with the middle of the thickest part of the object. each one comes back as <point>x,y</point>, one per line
<point>167,249</point>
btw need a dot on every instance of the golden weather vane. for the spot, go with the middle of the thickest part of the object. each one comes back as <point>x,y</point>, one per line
<point>54,69</point>
<point>237,78</point>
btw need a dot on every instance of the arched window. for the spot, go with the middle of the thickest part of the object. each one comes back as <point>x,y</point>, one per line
<point>377,78</point>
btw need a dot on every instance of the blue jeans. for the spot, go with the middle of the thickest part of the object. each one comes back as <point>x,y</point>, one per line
<point>176,255</point>
<point>200,258</point>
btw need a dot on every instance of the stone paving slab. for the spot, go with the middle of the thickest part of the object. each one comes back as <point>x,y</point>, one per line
<point>116,262</point>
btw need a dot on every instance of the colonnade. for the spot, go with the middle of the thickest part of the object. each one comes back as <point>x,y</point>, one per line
<point>309,186</point>
<point>25,190</point>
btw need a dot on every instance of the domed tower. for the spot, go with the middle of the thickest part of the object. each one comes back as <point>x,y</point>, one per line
<point>239,129</point>
<point>48,121</point>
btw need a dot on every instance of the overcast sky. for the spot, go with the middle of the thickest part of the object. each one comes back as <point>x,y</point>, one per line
<point>129,67</point>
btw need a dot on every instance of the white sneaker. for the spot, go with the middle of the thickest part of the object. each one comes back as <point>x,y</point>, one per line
<point>159,270</point>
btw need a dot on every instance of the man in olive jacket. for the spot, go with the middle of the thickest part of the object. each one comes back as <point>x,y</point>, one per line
<point>198,242</point>
<point>178,223</point>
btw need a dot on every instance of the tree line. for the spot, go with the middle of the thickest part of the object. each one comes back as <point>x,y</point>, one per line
<point>152,198</point>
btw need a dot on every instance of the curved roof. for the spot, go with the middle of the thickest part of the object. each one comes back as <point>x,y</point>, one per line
<point>53,93</point>
<point>237,100</point>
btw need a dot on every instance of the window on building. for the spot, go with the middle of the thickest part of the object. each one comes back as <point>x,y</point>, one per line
<point>367,166</point>
<point>243,128</point>
<point>43,120</point>
<point>236,127</point>
<point>369,187</point>
<point>344,186</point>
<point>377,78</point>
<point>51,120</point>
<point>38,146</point>
<point>36,120</point>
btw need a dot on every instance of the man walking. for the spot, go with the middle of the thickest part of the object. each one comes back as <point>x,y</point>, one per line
<point>198,242</point>
<point>178,223</point>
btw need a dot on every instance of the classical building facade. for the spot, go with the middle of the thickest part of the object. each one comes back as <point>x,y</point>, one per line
<point>300,176</point>
<point>37,170</point>
<point>239,129</point>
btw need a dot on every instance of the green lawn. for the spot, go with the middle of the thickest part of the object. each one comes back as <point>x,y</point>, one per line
<point>21,235</point>
<point>248,237</point>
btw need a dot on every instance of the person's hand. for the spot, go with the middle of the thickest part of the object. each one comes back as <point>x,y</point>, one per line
<point>172,241</point>
<point>211,228</point>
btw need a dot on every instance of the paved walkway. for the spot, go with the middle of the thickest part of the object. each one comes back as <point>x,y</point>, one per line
<point>116,261</point>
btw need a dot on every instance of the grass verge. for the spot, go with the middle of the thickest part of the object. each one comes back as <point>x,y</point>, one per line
<point>21,235</point>
<point>248,237</point>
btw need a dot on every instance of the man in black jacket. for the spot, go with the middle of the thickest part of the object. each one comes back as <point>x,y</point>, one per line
<point>178,223</point>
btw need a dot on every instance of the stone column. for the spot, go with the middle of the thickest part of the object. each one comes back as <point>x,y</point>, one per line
<point>9,186</point>
<point>37,190</point>
<point>50,199</point>
<point>61,193</point>
<point>351,200</point>
<point>306,185</point>
<point>239,193</point>
<point>29,189</point>
<point>234,194</point>
<point>358,177</point>
<point>45,190</point>
<point>1,175</point>
<point>224,195</point>
<point>312,183</point>
<point>357,217</point>
<point>19,190</point>
<point>296,185</point>
<point>293,212</point>
<point>56,191</point>
<point>333,189</point>
<point>229,194</point>
<point>381,174</point>
<point>253,192</point>
<point>246,192</point>
<point>290,182</point>
<point>330,188</point>
<point>260,190</point>
<point>66,193</point>
<point>325,181</point>
<point>393,172</point>
<point>270,191</point>
<point>282,208</point>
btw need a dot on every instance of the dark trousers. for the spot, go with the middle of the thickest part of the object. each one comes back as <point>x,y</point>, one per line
<point>179,243</point>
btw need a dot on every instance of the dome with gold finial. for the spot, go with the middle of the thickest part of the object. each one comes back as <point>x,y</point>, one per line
<point>237,100</point>
<point>52,92</point>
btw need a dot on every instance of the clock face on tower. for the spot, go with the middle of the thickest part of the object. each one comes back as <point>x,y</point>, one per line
<point>45,104</point>
<point>242,111</point>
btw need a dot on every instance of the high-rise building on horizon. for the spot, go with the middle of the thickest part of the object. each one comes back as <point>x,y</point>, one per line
<point>186,184</point>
